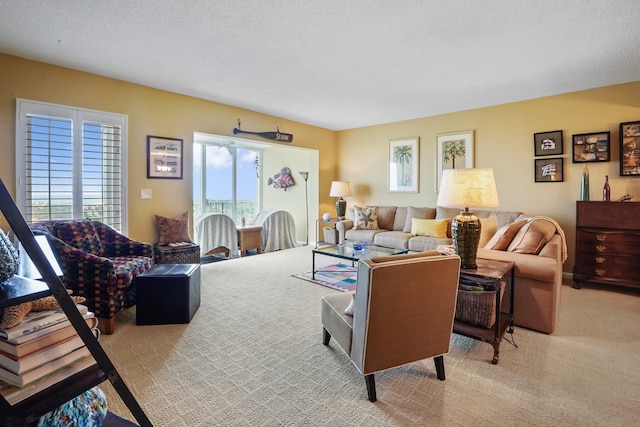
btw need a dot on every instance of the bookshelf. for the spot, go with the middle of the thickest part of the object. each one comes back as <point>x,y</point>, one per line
<point>21,289</point>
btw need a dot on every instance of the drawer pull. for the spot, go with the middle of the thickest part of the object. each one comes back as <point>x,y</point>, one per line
<point>601,248</point>
<point>600,260</point>
<point>601,237</point>
<point>600,271</point>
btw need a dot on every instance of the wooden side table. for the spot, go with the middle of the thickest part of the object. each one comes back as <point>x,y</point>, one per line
<point>503,271</point>
<point>249,238</point>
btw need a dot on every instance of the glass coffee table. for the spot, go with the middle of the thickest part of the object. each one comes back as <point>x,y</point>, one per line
<point>353,252</point>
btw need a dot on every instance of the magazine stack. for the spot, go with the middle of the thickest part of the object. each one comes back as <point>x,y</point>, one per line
<point>42,350</point>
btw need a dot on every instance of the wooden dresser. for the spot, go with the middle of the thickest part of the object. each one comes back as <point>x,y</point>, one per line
<point>607,243</point>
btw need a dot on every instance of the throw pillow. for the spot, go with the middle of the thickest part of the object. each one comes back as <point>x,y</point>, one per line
<point>429,227</point>
<point>503,237</point>
<point>9,261</point>
<point>488,227</point>
<point>365,218</point>
<point>349,310</point>
<point>532,237</point>
<point>420,213</point>
<point>173,230</point>
<point>80,233</point>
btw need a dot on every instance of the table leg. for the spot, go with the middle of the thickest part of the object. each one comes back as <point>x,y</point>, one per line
<point>313,266</point>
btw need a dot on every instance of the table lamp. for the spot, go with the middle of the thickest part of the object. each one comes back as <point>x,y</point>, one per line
<point>340,189</point>
<point>462,188</point>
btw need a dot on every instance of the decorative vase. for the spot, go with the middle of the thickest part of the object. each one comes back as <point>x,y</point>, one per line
<point>326,216</point>
<point>584,184</point>
<point>606,190</point>
<point>8,258</point>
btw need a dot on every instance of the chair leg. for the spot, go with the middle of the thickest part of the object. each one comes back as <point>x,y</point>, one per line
<point>371,387</point>
<point>439,361</point>
<point>107,326</point>
<point>326,336</point>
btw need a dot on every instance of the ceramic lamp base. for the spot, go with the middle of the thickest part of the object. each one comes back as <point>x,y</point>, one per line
<point>341,208</point>
<point>465,233</point>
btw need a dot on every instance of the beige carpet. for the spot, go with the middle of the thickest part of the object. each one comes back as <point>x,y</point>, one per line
<point>253,356</point>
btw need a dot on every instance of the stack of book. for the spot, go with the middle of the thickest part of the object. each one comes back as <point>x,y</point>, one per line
<point>42,350</point>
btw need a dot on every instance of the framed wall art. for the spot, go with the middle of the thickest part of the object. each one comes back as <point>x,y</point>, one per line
<point>454,151</point>
<point>164,157</point>
<point>591,147</point>
<point>404,165</point>
<point>548,143</point>
<point>549,169</point>
<point>630,149</point>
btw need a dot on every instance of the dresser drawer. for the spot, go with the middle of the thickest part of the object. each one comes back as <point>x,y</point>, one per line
<point>607,261</point>
<point>606,272</point>
<point>612,242</point>
<point>613,215</point>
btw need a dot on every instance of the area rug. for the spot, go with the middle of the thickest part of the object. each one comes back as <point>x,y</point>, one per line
<point>338,276</point>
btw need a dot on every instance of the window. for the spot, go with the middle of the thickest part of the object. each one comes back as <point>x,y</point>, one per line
<point>70,163</point>
<point>226,177</point>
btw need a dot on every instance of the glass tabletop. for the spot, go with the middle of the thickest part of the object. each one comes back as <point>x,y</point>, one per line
<point>364,251</point>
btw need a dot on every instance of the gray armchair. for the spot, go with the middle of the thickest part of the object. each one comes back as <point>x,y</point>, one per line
<point>404,308</point>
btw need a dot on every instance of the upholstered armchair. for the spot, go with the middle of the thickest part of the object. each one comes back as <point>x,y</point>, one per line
<point>216,233</point>
<point>278,230</point>
<point>403,311</point>
<point>98,263</point>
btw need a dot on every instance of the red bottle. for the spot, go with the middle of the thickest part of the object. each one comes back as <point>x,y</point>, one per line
<point>606,191</point>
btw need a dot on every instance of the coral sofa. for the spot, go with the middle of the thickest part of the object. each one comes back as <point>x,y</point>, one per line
<point>536,245</point>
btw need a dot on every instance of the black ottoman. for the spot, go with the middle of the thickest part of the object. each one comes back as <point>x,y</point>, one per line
<point>167,293</point>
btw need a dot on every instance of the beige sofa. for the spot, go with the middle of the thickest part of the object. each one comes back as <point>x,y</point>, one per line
<point>537,252</point>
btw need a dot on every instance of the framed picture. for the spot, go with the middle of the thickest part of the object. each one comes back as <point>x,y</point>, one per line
<point>630,149</point>
<point>455,151</point>
<point>549,170</point>
<point>591,147</point>
<point>164,157</point>
<point>404,158</point>
<point>548,143</point>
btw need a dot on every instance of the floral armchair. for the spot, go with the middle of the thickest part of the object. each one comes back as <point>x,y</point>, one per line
<point>98,263</point>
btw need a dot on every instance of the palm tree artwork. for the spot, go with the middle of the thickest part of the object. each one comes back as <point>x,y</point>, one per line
<point>402,155</point>
<point>451,150</point>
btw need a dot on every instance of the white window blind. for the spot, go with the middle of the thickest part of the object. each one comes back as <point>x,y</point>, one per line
<point>71,163</point>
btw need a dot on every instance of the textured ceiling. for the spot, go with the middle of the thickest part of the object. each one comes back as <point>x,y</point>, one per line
<point>337,64</point>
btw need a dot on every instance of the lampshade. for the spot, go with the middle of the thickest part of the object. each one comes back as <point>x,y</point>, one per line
<point>462,188</point>
<point>340,189</point>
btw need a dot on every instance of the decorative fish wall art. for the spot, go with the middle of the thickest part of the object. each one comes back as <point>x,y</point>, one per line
<point>282,179</point>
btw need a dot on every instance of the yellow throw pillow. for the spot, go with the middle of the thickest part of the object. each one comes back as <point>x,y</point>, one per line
<point>429,227</point>
<point>488,227</point>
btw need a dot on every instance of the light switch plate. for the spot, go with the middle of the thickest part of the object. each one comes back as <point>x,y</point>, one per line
<point>145,193</point>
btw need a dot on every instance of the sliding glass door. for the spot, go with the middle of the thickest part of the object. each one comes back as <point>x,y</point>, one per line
<point>226,179</point>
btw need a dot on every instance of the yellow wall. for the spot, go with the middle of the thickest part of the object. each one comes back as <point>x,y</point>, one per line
<point>504,142</point>
<point>151,112</point>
